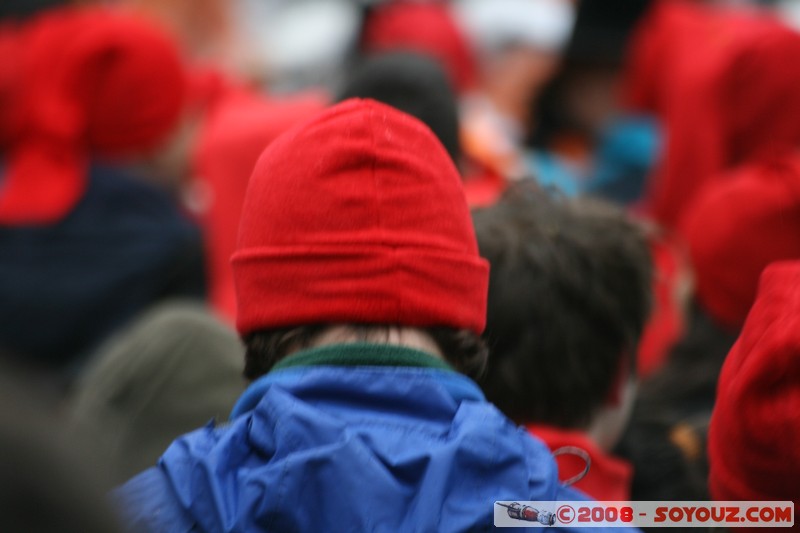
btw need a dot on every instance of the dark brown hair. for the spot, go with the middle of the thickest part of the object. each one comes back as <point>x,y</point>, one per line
<point>462,348</point>
<point>569,294</point>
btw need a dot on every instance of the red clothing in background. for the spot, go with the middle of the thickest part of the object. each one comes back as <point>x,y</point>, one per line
<point>233,137</point>
<point>427,28</point>
<point>609,478</point>
<point>721,83</point>
<point>754,438</point>
<point>738,225</point>
<point>671,292</point>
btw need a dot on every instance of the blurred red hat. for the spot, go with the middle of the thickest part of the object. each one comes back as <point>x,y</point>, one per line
<point>659,39</point>
<point>358,216</point>
<point>425,27</point>
<point>737,225</point>
<point>729,101</point>
<point>234,134</point>
<point>91,81</point>
<point>754,438</point>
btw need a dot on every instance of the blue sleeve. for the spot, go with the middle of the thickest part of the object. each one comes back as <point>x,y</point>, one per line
<point>148,504</point>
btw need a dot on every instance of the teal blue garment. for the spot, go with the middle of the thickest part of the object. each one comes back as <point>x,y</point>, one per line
<point>624,158</point>
<point>553,172</point>
<point>627,153</point>
<point>331,442</point>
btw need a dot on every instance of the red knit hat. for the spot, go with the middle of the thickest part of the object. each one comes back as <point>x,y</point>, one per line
<point>738,225</point>
<point>425,27</point>
<point>358,216</point>
<point>92,81</point>
<point>754,438</point>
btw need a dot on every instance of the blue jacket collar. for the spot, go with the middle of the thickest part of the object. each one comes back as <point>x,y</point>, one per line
<point>375,356</point>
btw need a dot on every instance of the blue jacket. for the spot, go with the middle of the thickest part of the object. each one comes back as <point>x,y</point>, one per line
<point>326,443</point>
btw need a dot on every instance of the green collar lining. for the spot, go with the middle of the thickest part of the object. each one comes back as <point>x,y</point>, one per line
<point>362,354</point>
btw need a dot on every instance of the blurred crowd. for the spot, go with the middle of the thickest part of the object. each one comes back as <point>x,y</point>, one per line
<point>632,173</point>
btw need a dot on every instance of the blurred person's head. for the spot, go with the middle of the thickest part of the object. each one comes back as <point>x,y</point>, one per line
<point>569,295</point>
<point>45,485</point>
<point>726,104</point>
<point>369,240</point>
<point>762,91</point>
<point>518,44</point>
<point>734,228</point>
<point>172,370</point>
<point>755,428</point>
<point>426,28</point>
<point>92,83</point>
<point>585,95</point>
<point>413,84</point>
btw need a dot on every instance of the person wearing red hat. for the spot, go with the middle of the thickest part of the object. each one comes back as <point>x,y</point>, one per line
<point>361,299</point>
<point>723,104</point>
<point>426,28</point>
<point>85,241</point>
<point>239,126</point>
<point>754,439</point>
<point>569,296</point>
<point>82,92</point>
<point>737,226</point>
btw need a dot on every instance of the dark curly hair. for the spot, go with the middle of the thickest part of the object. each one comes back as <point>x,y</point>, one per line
<point>569,294</point>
